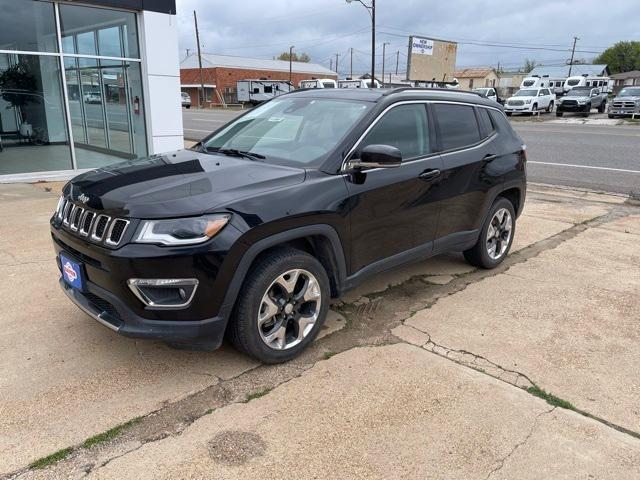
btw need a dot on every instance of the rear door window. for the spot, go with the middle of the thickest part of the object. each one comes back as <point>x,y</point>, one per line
<point>457,125</point>
<point>405,127</point>
<point>485,122</point>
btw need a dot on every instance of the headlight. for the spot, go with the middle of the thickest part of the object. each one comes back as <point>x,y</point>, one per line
<point>527,101</point>
<point>582,101</point>
<point>181,231</point>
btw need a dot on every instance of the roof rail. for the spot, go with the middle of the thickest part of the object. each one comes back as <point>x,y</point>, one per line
<point>427,89</point>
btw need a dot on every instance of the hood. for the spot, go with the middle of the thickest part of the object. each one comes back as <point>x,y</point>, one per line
<point>177,184</point>
<point>629,98</point>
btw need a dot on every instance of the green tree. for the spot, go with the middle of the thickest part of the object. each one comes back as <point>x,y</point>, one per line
<point>303,57</point>
<point>528,65</point>
<point>622,57</point>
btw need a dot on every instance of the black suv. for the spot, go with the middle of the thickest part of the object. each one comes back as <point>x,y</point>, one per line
<point>253,231</point>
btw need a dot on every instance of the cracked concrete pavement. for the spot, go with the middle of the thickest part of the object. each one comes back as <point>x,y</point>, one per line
<point>561,313</point>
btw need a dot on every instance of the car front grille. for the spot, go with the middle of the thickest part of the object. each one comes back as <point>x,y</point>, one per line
<point>570,103</point>
<point>83,222</point>
<point>624,104</point>
<point>516,103</point>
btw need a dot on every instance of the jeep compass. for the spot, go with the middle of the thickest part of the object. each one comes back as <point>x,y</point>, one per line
<point>252,231</point>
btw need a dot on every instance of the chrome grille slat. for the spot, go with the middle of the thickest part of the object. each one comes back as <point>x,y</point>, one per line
<point>84,222</point>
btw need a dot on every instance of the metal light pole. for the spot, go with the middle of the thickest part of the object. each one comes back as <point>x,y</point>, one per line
<point>384,52</point>
<point>204,96</point>
<point>291,62</point>
<point>372,12</point>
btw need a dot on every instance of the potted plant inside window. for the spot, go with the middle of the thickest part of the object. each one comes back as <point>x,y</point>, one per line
<point>17,87</point>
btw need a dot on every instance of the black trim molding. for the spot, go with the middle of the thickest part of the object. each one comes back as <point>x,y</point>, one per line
<point>161,6</point>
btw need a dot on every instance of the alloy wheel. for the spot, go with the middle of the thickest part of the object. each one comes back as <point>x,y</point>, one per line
<point>289,309</point>
<point>499,234</point>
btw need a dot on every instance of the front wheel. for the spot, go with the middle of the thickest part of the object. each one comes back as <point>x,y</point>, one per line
<point>281,307</point>
<point>496,236</point>
<point>550,108</point>
<point>559,113</point>
<point>508,114</point>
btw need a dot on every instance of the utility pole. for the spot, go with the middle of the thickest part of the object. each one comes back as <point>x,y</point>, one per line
<point>384,51</point>
<point>573,52</point>
<point>195,19</point>
<point>331,64</point>
<point>397,61</point>
<point>351,69</point>
<point>337,56</point>
<point>373,43</point>
<point>291,63</point>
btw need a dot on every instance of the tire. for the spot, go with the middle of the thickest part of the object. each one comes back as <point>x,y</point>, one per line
<point>602,107</point>
<point>587,112</point>
<point>274,297</point>
<point>611,116</point>
<point>508,114</point>
<point>550,107</point>
<point>480,254</point>
<point>188,107</point>
<point>534,109</point>
<point>559,114</point>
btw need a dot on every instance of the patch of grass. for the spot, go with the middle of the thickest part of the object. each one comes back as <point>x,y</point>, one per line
<point>209,412</point>
<point>329,354</point>
<point>258,394</point>
<point>550,398</point>
<point>51,459</point>
<point>109,434</point>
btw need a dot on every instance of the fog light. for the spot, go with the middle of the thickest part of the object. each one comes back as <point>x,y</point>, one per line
<point>164,292</point>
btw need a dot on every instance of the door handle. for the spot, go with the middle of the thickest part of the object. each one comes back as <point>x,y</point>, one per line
<point>429,174</point>
<point>489,158</point>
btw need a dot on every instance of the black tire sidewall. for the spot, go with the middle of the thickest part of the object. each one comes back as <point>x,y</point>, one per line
<point>258,281</point>
<point>486,260</point>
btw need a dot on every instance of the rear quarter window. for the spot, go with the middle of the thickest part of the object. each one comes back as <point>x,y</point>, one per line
<point>457,125</point>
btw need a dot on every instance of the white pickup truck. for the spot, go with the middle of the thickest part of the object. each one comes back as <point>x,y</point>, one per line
<point>530,101</point>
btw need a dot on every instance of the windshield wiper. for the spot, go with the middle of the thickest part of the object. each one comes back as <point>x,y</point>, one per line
<point>232,152</point>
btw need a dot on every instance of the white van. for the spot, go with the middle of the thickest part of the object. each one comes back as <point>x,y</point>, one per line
<point>537,81</point>
<point>604,83</point>
<point>319,83</point>
<point>258,91</point>
<point>357,83</point>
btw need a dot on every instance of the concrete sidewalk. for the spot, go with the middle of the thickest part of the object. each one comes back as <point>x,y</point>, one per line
<point>448,401</point>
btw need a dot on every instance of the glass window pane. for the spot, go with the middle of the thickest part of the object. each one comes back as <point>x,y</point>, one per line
<point>458,125</point>
<point>33,128</point>
<point>86,43</point>
<point>109,43</point>
<point>116,30</point>
<point>28,25</point>
<point>404,127</point>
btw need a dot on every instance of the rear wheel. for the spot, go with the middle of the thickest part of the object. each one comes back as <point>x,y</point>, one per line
<point>550,107</point>
<point>496,236</point>
<point>602,107</point>
<point>281,306</point>
<point>558,113</point>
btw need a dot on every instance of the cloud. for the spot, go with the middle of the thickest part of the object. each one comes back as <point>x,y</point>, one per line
<point>488,32</point>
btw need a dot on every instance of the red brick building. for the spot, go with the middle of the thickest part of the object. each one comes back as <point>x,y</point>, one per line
<point>221,73</point>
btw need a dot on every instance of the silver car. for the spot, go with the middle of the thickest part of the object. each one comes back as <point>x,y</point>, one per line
<point>627,102</point>
<point>186,100</point>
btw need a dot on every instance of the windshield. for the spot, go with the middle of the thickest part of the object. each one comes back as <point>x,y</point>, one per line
<point>573,83</point>
<point>482,91</point>
<point>328,84</point>
<point>630,92</point>
<point>526,93</point>
<point>579,92</point>
<point>291,130</point>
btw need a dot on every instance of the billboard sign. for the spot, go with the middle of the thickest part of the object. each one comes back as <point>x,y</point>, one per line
<point>431,59</point>
<point>422,46</point>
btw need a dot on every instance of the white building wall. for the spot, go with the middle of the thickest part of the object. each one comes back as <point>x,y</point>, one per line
<point>161,72</point>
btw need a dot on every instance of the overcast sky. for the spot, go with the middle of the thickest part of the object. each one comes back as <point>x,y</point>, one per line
<point>322,28</point>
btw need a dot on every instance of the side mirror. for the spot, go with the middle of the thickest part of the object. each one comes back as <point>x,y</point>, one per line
<point>377,156</point>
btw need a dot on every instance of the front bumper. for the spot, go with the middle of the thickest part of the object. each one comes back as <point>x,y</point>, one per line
<point>518,109</point>
<point>109,311</point>
<point>107,298</point>
<point>573,108</point>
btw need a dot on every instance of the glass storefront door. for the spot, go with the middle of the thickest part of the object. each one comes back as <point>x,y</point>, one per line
<point>90,91</point>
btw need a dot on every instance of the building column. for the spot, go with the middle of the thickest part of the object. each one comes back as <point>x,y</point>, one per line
<point>161,77</point>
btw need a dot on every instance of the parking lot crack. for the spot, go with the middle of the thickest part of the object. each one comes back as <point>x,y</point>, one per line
<point>518,445</point>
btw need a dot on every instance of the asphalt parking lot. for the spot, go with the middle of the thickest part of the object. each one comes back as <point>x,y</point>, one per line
<point>436,370</point>
<point>593,153</point>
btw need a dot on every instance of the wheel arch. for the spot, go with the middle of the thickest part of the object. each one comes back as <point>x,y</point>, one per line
<point>321,241</point>
<point>515,196</point>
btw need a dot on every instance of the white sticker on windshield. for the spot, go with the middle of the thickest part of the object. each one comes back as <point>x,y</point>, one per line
<point>276,119</point>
